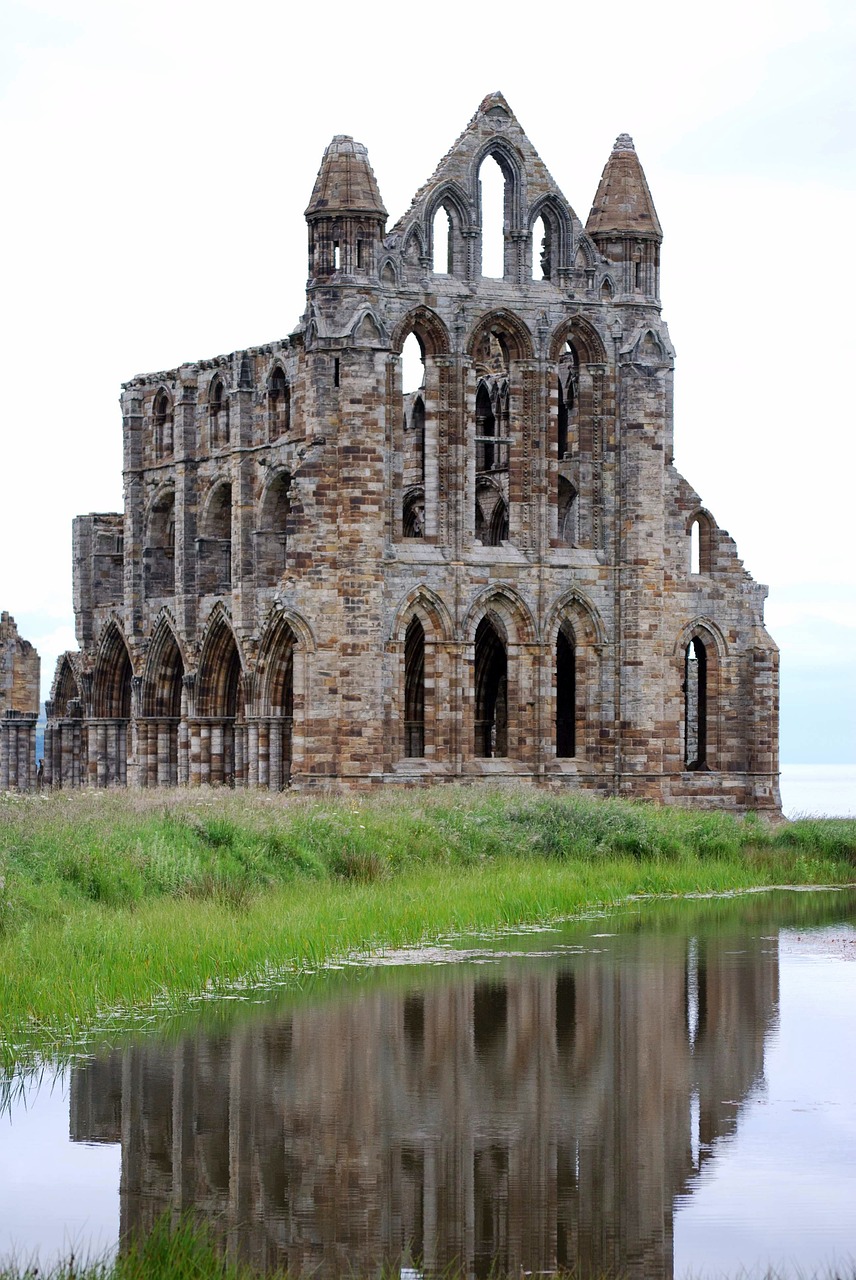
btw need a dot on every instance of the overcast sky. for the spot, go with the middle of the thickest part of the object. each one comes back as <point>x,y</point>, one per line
<point>158,157</point>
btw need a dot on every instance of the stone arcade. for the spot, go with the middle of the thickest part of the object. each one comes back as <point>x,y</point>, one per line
<point>324,575</point>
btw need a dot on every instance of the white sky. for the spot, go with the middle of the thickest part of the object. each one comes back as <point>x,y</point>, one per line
<point>158,157</point>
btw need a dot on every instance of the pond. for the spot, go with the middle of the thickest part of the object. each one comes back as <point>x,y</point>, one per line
<point>666,1090</point>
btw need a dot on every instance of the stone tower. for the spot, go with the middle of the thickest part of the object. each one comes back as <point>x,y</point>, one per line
<point>19,708</point>
<point>326,574</point>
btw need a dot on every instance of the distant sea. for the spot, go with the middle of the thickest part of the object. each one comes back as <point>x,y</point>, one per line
<point>819,790</point>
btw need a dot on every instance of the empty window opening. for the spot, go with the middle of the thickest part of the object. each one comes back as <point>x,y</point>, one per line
<point>637,274</point>
<point>218,415</point>
<point>336,371</point>
<point>163,425</point>
<point>492,184</point>
<point>337,255</point>
<point>359,254</point>
<point>279,404</point>
<point>214,548</point>
<point>567,513</point>
<point>491,692</point>
<point>566,696</point>
<point>562,423</point>
<point>271,536</point>
<point>412,365</point>
<point>442,237</point>
<point>542,250</point>
<point>485,430</point>
<point>700,545</point>
<point>695,705</point>
<point>414,689</point>
<point>413,515</point>
<point>159,550</point>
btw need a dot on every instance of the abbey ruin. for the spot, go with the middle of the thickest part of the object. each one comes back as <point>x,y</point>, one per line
<point>326,574</point>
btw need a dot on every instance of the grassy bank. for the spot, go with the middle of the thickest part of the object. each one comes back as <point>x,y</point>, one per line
<point>114,901</point>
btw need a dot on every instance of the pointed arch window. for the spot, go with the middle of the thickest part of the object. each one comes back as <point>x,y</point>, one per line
<point>700,544</point>
<point>218,415</point>
<point>214,547</point>
<point>159,549</point>
<point>493,188</point>
<point>279,404</point>
<point>271,538</point>
<point>442,242</point>
<point>542,250</point>
<point>491,692</point>
<point>695,705</point>
<point>162,424</point>
<point>566,694</point>
<point>414,689</point>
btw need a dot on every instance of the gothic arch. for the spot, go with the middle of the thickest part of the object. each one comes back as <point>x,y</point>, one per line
<point>585,338</point>
<point>558,220</point>
<point>574,606</point>
<point>575,635</point>
<point>428,328</point>
<point>65,687</point>
<point>369,328</point>
<point>435,617</point>
<point>218,683</point>
<point>513,168</point>
<point>510,326</point>
<point>704,522</point>
<point>585,249</point>
<point>163,672</point>
<point>698,659</point>
<point>508,608</point>
<point>388,274</point>
<point>112,675</point>
<point>705,629</point>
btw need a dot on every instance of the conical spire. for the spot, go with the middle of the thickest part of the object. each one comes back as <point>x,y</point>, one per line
<point>623,202</point>
<point>346,183</point>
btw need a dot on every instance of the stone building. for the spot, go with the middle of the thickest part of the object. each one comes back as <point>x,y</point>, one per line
<point>326,573</point>
<point>19,708</point>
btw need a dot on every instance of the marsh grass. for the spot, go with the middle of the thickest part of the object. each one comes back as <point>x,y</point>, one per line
<point>115,902</point>
<point>188,1250</point>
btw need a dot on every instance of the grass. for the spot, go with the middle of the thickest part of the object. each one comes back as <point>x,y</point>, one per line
<point>117,903</point>
<point>189,1251</point>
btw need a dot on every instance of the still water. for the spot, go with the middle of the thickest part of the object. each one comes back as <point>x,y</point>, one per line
<point>664,1091</point>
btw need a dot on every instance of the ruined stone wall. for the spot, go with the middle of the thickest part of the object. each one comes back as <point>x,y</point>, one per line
<point>19,708</point>
<point>321,575</point>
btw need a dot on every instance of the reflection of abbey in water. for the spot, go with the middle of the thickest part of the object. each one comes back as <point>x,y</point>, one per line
<point>538,1120</point>
<point>326,571</point>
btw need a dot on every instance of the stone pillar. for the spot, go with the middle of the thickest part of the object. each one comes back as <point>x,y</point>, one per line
<point>195,753</point>
<point>253,754</point>
<point>205,752</point>
<point>264,753</point>
<point>217,752</point>
<point>275,753</point>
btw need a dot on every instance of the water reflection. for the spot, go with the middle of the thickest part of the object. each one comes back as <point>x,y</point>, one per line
<point>522,1115</point>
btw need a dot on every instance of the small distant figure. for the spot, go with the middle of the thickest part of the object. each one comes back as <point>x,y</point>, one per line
<point>40,775</point>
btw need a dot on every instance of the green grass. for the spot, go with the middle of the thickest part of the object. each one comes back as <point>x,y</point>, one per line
<point>189,1251</point>
<point>116,904</point>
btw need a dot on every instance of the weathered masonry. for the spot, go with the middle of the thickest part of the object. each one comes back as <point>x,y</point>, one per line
<point>331,571</point>
<point>19,708</point>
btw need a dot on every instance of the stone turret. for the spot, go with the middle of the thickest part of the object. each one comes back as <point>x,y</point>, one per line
<point>623,222</point>
<point>346,215</point>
